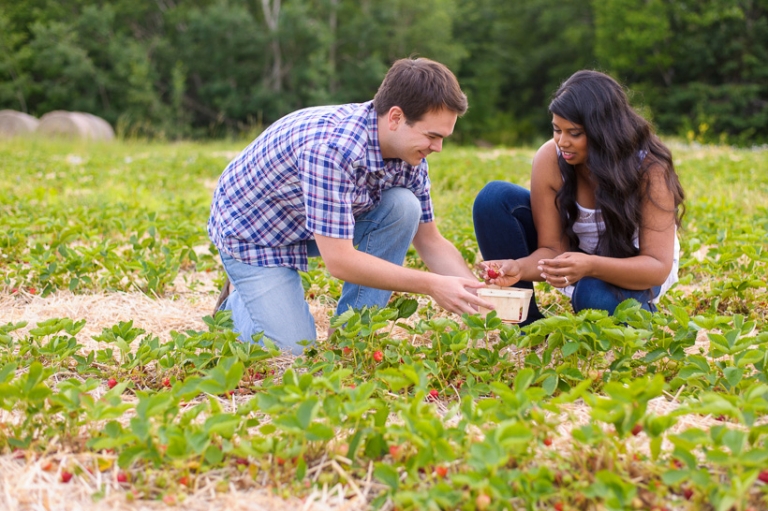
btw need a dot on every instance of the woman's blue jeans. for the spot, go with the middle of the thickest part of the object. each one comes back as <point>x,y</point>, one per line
<point>505,230</point>
<point>271,299</point>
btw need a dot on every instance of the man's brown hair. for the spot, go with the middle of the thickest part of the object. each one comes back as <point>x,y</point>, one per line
<point>419,86</point>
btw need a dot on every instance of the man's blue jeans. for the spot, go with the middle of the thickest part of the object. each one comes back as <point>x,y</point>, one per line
<point>505,230</point>
<point>271,299</point>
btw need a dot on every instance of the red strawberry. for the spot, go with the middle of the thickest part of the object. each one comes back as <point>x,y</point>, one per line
<point>241,461</point>
<point>559,506</point>
<point>493,274</point>
<point>547,441</point>
<point>166,382</point>
<point>66,476</point>
<point>111,383</point>
<point>441,471</point>
<point>346,350</point>
<point>122,477</point>
<point>637,429</point>
<point>433,394</point>
<point>763,476</point>
<point>14,290</point>
<point>184,481</point>
<point>394,451</point>
<point>32,290</point>
<point>378,356</point>
<point>687,493</point>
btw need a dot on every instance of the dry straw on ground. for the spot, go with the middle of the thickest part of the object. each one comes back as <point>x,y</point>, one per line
<point>16,124</point>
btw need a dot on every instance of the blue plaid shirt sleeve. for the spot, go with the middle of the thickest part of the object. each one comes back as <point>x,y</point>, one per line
<point>328,185</point>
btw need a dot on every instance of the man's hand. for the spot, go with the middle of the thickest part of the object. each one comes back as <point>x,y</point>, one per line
<point>458,295</point>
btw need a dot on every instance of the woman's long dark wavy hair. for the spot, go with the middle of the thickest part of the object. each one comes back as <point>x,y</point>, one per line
<point>616,137</point>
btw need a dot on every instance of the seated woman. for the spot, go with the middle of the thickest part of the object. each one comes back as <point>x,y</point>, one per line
<point>600,222</point>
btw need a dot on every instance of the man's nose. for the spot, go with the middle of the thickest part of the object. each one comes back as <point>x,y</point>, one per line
<point>436,146</point>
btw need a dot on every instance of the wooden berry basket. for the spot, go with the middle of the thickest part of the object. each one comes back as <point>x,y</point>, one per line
<point>511,302</point>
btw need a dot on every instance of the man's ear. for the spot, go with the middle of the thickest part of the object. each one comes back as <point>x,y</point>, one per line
<point>395,117</point>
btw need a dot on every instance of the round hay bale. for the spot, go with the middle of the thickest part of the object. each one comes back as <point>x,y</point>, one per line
<point>75,125</point>
<point>100,127</point>
<point>63,124</point>
<point>14,124</point>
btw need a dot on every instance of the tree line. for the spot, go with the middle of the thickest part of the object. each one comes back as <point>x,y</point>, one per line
<point>207,68</point>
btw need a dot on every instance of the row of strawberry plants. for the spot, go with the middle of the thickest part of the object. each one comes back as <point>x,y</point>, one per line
<point>462,436</point>
<point>125,219</point>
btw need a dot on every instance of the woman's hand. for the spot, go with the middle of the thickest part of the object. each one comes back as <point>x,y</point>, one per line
<point>501,272</point>
<point>565,269</point>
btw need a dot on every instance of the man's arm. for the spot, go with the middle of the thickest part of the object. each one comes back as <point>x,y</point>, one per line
<point>450,291</point>
<point>438,253</point>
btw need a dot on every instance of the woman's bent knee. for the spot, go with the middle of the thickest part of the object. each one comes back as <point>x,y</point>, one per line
<point>499,196</point>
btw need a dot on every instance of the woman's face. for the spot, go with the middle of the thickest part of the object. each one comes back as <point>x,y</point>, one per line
<point>571,140</point>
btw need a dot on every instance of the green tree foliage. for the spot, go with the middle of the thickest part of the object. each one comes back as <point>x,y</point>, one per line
<point>701,66</point>
<point>518,54</point>
<point>200,68</point>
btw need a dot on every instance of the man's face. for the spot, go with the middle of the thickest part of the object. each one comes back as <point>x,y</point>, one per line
<point>411,143</point>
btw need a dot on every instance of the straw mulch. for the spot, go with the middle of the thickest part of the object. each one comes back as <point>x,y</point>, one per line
<point>36,485</point>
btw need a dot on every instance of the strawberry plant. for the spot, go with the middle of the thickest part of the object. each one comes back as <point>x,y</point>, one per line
<point>634,410</point>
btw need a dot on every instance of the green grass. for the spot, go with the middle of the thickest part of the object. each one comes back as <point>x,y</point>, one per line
<point>128,216</point>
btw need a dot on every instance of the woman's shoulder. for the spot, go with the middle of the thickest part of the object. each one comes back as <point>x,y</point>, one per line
<point>653,167</point>
<point>546,155</point>
<point>545,160</point>
<point>545,171</point>
<point>547,149</point>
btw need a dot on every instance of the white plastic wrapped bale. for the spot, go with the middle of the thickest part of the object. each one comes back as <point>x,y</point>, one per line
<point>16,124</point>
<point>82,125</point>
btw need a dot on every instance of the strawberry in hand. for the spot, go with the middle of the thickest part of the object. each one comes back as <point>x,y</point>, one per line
<point>490,271</point>
<point>500,272</point>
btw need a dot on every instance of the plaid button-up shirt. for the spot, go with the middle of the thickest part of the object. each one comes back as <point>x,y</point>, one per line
<point>312,171</point>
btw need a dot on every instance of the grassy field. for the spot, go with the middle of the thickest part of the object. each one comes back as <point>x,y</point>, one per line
<point>633,411</point>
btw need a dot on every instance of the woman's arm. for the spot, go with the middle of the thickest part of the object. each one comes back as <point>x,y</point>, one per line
<point>649,268</point>
<point>545,183</point>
